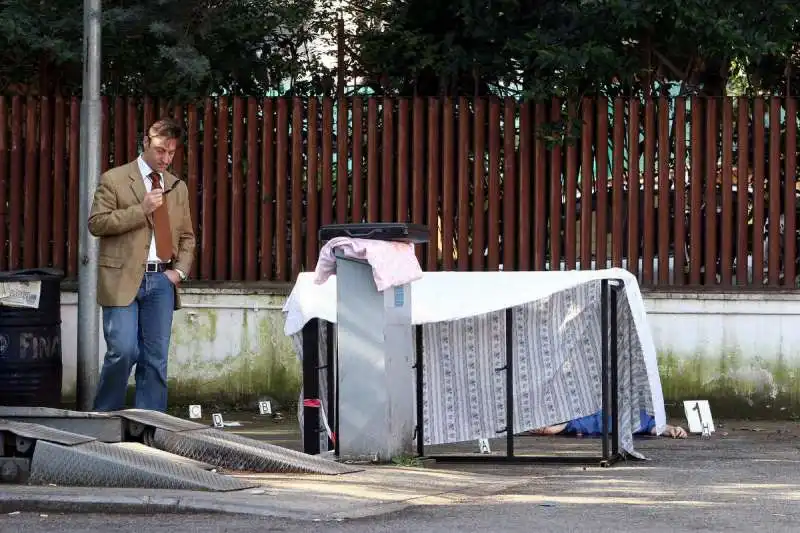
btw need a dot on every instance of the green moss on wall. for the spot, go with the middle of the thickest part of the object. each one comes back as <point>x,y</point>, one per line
<point>254,360</point>
<point>206,368</point>
<point>263,366</point>
<point>737,387</point>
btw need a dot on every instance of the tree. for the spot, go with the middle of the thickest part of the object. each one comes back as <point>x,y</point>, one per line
<point>180,49</point>
<point>571,47</point>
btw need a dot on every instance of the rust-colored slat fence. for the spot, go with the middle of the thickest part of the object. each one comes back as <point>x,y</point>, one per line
<point>680,191</point>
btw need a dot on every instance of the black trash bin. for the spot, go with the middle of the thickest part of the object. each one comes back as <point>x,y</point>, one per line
<point>30,343</point>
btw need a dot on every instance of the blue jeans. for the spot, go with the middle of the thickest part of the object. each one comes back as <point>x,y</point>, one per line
<point>138,334</point>
<point>592,425</point>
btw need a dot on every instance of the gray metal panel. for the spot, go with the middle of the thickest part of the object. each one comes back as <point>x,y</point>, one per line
<point>363,392</point>
<point>97,464</point>
<point>237,453</point>
<point>14,470</point>
<point>375,376</point>
<point>49,412</point>
<point>43,433</point>
<point>103,429</point>
<point>159,420</point>
<point>143,448</point>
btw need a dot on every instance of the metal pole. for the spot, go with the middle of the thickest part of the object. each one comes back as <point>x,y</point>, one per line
<point>510,382</point>
<point>604,363</point>
<point>88,312</point>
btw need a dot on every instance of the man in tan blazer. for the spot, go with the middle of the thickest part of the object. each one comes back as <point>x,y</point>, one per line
<point>141,214</point>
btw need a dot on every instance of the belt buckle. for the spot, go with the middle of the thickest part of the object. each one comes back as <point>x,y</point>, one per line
<point>151,267</point>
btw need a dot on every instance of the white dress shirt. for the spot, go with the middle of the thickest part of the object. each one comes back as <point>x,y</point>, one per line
<point>152,256</point>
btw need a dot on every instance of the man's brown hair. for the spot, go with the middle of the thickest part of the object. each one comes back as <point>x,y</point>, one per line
<point>166,127</point>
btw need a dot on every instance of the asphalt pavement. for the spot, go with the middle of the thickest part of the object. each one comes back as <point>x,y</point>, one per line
<point>745,478</point>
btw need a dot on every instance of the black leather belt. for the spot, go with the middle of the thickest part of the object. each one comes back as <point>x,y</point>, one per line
<point>157,267</point>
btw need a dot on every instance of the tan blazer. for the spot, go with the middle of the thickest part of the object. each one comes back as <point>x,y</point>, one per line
<point>125,232</point>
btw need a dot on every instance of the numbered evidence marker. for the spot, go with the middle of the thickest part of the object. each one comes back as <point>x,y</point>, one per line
<point>216,418</point>
<point>195,411</point>
<point>698,416</point>
<point>483,446</point>
<point>265,408</point>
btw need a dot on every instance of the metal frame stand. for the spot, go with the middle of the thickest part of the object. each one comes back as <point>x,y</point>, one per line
<point>311,427</point>
<point>610,401</point>
<point>311,404</point>
<point>609,387</point>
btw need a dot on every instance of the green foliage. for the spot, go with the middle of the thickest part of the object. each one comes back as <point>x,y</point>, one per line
<point>535,48</point>
<point>539,48</point>
<point>177,49</point>
<point>407,461</point>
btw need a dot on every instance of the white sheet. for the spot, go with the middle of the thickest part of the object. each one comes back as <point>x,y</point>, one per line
<point>449,296</point>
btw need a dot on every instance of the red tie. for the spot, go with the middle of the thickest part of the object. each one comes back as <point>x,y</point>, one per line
<point>161,225</point>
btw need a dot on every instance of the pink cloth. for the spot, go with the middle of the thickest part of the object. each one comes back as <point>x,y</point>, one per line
<point>393,263</point>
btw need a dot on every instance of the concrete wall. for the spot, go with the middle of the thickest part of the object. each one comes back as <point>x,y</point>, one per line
<point>228,348</point>
<point>741,350</point>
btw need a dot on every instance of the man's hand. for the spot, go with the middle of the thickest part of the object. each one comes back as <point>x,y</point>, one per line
<point>173,276</point>
<point>152,201</point>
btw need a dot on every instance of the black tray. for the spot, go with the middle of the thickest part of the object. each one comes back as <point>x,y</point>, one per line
<point>378,231</point>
